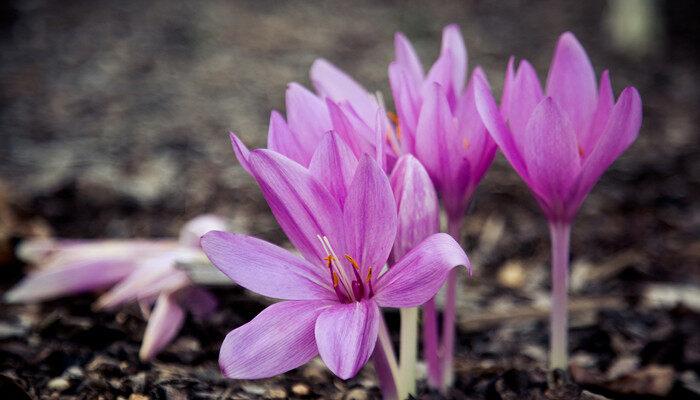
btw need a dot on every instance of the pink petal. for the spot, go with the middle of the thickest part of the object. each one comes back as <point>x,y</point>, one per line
<point>346,335</point>
<point>279,339</point>
<point>241,151</point>
<point>307,118</point>
<point>408,102</point>
<point>407,59</point>
<point>369,216</point>
<point>282,140</point>
<point>571,82</point>
<point>193,230</point>
<point>525,94</point>
<point>418,275</point>
<point>301,204</point>
<point>265,268</point>
<point>453,43</point>
<point>331,82</point>
<point>333,164</point>
<point>163,325</point>
<point>606,102</point>
<point>198,301</point>
<point>441,73</point>
<point>551,153</point>
<point>508,83</point>
<point>354,132</point>
<point>620,132</point>
<point>417,204</point>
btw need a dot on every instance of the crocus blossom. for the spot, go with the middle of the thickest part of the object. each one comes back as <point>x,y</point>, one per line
<point>332,294</point>
<point>562,139</point>
<point>132,270</point>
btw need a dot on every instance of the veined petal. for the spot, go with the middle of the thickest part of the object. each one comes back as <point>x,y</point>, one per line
<point>525,95</point>
<point>301,204</point>
<point>331,82</point>
<point>418,275</point>
<point>453,43</point>
<point>551,152</point>
<point>265,268</point>
<point>241,151</point>
<point>417,204</point>
<point>441,73</point>
<point>620,132</point>
<point>307,118</point>
<point>508,83</point>
<point>354,132</point>
<point>606,101</point>
<point>571,82</point>
<point>333,164</point>
<point>408,60</point>
<point>435,127</point>
<point>346,335</point>
<point>369,216</point>
<point>163,325</point>
<point>279,339</point>
<point>408,102</point>
<point>282,140</point>
<point>194,229</point>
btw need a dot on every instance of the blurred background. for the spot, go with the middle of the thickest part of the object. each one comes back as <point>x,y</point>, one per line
<point>114,120</point>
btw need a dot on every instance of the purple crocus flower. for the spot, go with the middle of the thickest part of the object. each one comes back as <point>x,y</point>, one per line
<point>560,141</point>
<point>332,293</point>
<point>133,270</point>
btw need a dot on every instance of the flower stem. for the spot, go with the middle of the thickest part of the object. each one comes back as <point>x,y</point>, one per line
<point>431,345</point>
<point>408,352</point>
<point>454,228</point>
<point>385,364</point>
<point>560,234</point>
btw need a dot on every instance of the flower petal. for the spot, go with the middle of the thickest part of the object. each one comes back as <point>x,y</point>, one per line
<point>407,59</point>
<point>331,82</point>
<point>302,205</point>
<point>525,94</point>
<point>453,43</point>
<point>354,132</point>
<point>265,268</point>
<point>194,229</point>
<point>333,164</point>
<point>307,118</point>
<point>620,132</point>
<point>163,325</point>
<point>282,140</point>
<point>369,216</point>
<point>417,204</point>
<point>346,335</point>
<point>606,101</point>
<point>198,301</point>
<point>551,153</point>
<point>241,151</point>
<point>279,339</point>
<point>407,101</point>
<point>571,82</point>
<point>418,275</point>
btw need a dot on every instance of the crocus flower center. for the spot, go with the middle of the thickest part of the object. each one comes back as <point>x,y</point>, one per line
<point>347,288</point>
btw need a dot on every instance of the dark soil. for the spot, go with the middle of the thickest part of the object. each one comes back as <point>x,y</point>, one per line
<point>114,118</point>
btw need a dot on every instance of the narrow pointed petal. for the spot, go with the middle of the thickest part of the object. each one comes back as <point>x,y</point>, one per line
<point>193,230</point>
<point>354,132</point>
<point>307,118</point>
<point>418,275</point>
<point>525,95</point>
<point>370,216</point>
<point>282,140</point>
<point>279,339</point>
<point>198,301</point>
<point>417,204</point>
<point>300,203</point>
<point>241,151</point>
<point>331,82</point>
<point>78,277</point>
<point>508,83</point>
<point>441,73</point>
<point>407,59</point>
<point>620,132</point>
<point>346,335</point>
<point>606,102</point>
<point>453,42</point>
<point>551,152</point>
<point>571,82</point>
<point>264,268</point>
<point>333,164</point>
<point>407,102</point>
<point>496,126</point>
<point>163,325</point>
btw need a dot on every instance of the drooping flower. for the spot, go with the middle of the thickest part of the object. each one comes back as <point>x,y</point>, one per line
<point>132,270</point>
<point>561,140</point>
<point>332,294</point>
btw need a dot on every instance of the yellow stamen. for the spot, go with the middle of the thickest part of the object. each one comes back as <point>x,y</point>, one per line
<point>353,262</point>
<point>580,151</point>
<point>335,280</point>
<point>465,143</point>
<point>369,275</point>
<point>393,117</point>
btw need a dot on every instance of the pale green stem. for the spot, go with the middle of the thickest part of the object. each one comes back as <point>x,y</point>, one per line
<point>385,363</point>
<point>408,352</point>
<point>560,234</point>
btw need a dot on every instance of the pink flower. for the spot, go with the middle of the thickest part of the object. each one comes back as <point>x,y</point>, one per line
<point>561,140</point>
<point>134,270</point>
<point>343,221</point>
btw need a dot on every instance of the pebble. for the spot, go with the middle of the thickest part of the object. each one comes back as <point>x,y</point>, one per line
<point>512,275</point>
<point>356,394</point>
<point>253,389</point>
<point>276,393</point>
<point>301,389</point>
<point>137,396</point>
<point>58,384</point>
<point>74,372</point>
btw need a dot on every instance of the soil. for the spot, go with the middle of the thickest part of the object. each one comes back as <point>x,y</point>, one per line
<point>114,120</point>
